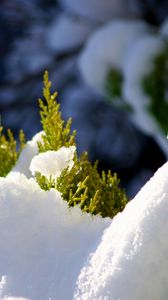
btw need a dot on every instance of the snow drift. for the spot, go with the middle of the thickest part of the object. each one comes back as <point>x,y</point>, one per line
<point>43,244</point>
<point>131,262</point>
<point>51,251</point>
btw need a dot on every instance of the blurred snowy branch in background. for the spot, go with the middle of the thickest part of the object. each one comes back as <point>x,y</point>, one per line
<point>38,35</point>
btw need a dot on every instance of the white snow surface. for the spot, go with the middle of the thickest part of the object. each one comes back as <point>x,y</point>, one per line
<point>50,251</point>
<point>28,152</point>
<point>105,50</point>
<point>43,244</point>
<point>52,163</point>
<point>67,33</point>
<point>131,262</point>
<point>98,10</point>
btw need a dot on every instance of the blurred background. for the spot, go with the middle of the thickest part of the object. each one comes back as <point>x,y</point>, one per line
<point>36,35</point>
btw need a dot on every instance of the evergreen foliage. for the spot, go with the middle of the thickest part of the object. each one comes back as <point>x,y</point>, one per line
<point>94,193</point>
<point>8,150</point>
<point>81,185</point>
<point>113,90</point>
<point>113,84</point>
<point>155,85</point>
<point>57,132</point>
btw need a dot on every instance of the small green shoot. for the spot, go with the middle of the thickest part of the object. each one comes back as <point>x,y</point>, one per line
<point>8,150</point>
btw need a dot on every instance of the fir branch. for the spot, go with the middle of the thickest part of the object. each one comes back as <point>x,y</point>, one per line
<point>94,193</point>
<point>8,150</point>
<point>113,84</point>
<point>57,133</point>
<point>81,185</point>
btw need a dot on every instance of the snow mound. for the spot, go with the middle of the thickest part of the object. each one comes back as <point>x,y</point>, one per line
<point>131,262</point>
<point>138,63</point>
<point>52,163</point>
<point>29,151</point>
<point>105,50</point>
<point>44,244</point>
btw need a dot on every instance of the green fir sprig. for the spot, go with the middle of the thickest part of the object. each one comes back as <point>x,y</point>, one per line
<point>57,133</point>
<point>113,84</point>
<point>81,185</point>
<point>8,150</point>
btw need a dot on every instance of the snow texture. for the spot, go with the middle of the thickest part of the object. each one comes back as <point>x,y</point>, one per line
<point>29,151</point>
<point>105,50</point>
<point>98,10</point>
<point>131,262</point>
<point>43,244</point>
<point>52,163</point>
<point>67,33</point>
<point>51,251</point>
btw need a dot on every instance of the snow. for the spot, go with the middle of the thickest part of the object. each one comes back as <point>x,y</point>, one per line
<point>145,122</point>
<point>52,163</point>
<point>131,261</point>
<point>51,251</point>
<point>106,49</point>
<point>67,33</point>
<point>29,151</point>
<point>101,11</point>
<point>138,64</point>
<point>44,244</point>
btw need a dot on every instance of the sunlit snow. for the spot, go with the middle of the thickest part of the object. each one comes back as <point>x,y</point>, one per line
<point>43,244</point>
<point>131,261</point>
<point>52,163</point>
<point>51,251</point>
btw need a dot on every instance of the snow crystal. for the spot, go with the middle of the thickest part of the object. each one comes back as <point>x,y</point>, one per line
<point>106,48</point>
<point>131,262</point>
<point>52,163</point>
<point>29,151</point>
<point>43,243</point>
